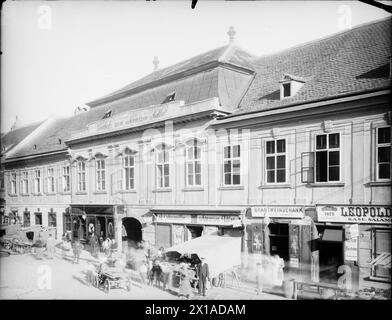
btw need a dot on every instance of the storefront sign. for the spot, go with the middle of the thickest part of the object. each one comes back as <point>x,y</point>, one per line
<point>351,249</point>
<point>173,218</point>
<point>217,220</point>
<point>278,212</point>
<point>354,214</point>
<point>294,262</point>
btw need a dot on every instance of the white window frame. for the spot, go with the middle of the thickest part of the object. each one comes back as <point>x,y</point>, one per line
<point>231,159</point>
<point>37,181</point>
<point>275,155</point>
<point>192,163</point>
<point>378,145</point>
<point>66,181</point>
<point>25,182</point>
<point>81,175</point>
<point>328,150</point>
<point>100,174</point>
<point>160,174</point>
<point>50,180</point>
<point>128,184</point>
<point>13,183</point>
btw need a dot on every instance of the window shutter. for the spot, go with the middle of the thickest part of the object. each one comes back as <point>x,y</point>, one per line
<point>307,167</point>
<point>20,175</point>
<point>44,180</point>
<point>31,181</point>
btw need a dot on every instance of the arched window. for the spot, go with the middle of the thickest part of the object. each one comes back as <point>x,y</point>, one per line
<point>193,164</point>
<point>81,175</point>
<point>128,162</point>
<point>163,167</point>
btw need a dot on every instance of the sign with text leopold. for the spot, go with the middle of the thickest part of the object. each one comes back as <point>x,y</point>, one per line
<point>278,212</point>
<point>354,214</point>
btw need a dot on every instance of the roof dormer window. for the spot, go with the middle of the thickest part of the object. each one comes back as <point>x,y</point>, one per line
<point>286,90</point>
<point>108,114</point>
<point>290,85</point>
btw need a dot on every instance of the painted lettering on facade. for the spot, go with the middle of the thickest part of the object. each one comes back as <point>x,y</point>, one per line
<point>354,214</point>
<point>278,211</point>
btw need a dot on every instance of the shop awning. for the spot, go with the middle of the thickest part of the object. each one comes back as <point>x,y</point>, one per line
<point>221,252</point>
<point>383,260</point>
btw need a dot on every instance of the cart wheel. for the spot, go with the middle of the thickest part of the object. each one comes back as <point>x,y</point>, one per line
<point>107,286</point>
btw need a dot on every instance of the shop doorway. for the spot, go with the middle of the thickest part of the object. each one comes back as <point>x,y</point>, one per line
<point>330,246</point>
<point>133,230</point>
<point>101,227</point>
<point>195,231</point>
<point>279,240</point>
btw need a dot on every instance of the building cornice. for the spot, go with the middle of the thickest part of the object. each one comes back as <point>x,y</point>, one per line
<point>325,105</point>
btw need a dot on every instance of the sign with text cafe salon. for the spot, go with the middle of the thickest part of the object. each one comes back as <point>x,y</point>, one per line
<point>354,214</point>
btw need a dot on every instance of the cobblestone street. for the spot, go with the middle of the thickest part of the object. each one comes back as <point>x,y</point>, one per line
<point>20,279</point>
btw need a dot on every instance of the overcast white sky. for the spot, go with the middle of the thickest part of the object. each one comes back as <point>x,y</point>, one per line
<point>84,50</point>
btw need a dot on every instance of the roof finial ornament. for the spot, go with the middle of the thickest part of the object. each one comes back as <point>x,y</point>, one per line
<point>156,63</point>
<point>231,34</point>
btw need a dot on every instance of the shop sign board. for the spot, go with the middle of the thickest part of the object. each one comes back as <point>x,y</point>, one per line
<point>351,250</point>
<point>354,214</point>
<point>173,218</point>
<point>278,211</point>
<point>209,219</point>
<point>227,220</point>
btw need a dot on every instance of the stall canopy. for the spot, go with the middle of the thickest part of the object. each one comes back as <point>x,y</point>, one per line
<point>221,252</point>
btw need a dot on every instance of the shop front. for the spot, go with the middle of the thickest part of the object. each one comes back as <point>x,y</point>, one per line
<point>357,237</point>
<point>80,222</point>
<point>175,227</point>
<point>285,231</point>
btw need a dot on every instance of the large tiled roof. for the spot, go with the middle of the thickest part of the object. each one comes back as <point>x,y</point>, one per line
<point>348,62</point>
<point>229,54</point>
<point>345,63</point>
<point>213,81</point>
<point>13,137</point>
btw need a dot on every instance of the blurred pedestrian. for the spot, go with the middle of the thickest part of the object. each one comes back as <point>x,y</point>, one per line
<point>77,249</point>
<point>50,247</point>
<point>259,277</point>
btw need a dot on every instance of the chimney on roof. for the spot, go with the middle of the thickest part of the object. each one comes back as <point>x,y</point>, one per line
<point>231,33</point>
<point>156,63</point>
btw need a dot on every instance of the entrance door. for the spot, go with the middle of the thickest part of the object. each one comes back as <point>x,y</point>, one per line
<point>101,227</point>
<point>279,240</point>
<point>196,231</point>
<point>330,248</point>
<point>133,229</point>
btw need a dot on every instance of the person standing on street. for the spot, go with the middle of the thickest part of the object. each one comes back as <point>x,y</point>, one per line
<point>77,249</point>
<point>50,247</point>
<point>204,275</point>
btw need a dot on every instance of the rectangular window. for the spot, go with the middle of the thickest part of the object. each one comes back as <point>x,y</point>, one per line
<point>163,167</point>
<point>26,219</point>
<point>328,157</point>
<point>100,168</point>
<point>66,179</point>
<point>193,165</point>
<point>50,180</point>
<point>13,183</point>
<point>232,165</point>
<point>383,156</point>
<point>381,254</point>
<point>129,172</point>
<point>276,161</point>
<point>38,218</point>
<point>37,181</point>
<point>25,182</point>
<point>81,176</point>
<point>1,180</point>
<point>52,220</point>
<point>67,223</point>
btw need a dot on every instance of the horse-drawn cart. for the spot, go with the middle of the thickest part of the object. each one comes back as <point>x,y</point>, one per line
<point>113,279</point>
